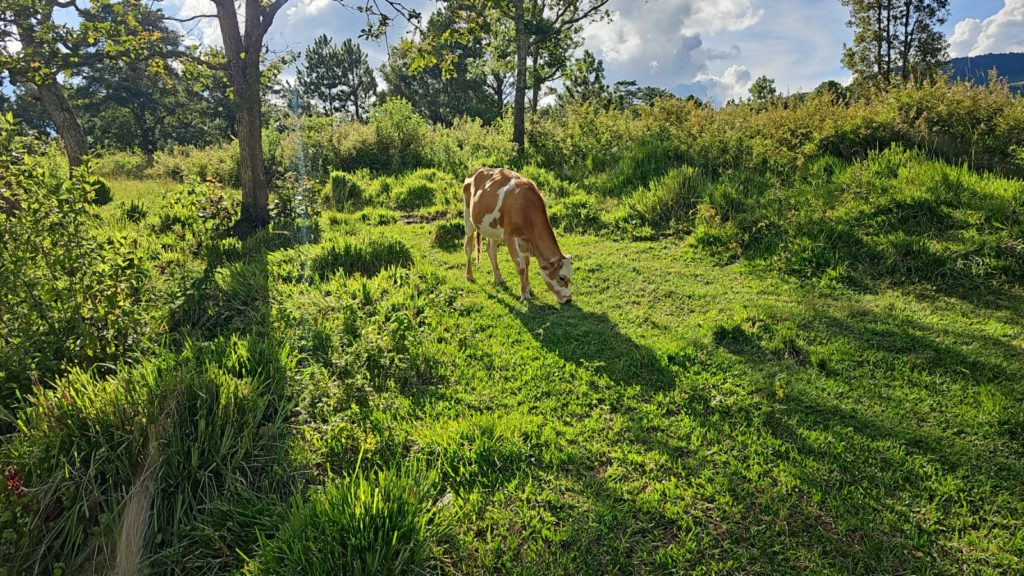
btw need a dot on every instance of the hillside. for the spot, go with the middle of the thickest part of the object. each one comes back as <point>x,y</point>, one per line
<point>976,68</point>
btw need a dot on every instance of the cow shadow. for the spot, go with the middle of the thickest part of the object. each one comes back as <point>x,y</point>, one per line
<point>593,341</point>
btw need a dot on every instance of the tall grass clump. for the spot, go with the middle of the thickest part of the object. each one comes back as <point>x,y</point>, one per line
<point>342,191</point>
<point>669,201</point>
<point>168,467</point>
<point>366,256</point>
<point>389,521</point>
<point>121,164</point>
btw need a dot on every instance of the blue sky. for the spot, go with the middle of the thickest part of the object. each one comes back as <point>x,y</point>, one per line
<point>711,48</point>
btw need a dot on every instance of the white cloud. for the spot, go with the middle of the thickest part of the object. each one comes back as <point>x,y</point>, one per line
<point>734,83</point>
<point>1001,32</point>
<point>660,42</point>
<point>307,8</point>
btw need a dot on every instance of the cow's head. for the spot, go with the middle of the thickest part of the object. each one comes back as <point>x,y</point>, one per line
<point>558,275</point>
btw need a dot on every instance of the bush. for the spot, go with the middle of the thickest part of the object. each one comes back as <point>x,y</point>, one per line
<point>668,202</point>
<point>182,163</point>
<point>384,522</point>
<point>468,145</point>
<point>367,256</point>
<point>121,164</point>
<point>400,134</point>
<point>71,296</point>
<point>575,214</point>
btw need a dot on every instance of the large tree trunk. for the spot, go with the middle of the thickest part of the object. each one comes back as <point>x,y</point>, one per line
<point>249,123</point>
<point>519,101</point>
<point>59,109</point>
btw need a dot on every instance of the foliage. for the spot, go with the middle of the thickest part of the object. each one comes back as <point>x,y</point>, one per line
<point>896,40</point>
<point>400,134</point>
<point>337,79</point>
<point>381,522</point>
<point>342,191</point>
<point>150,468</point>
<point>72,297</point>
<point>366,256</point>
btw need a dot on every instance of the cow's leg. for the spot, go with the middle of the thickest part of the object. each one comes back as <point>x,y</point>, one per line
<point>492,253</point>
<point>470,230</point>
<point>469,254</point>
<point>522,262</point>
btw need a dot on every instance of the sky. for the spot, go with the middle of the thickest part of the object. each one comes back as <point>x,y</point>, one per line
<point>709,48</point>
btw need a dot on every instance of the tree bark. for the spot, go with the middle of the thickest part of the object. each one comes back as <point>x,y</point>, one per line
<point>519,101</point>
<point>72,137</point>
<point>249,124</point>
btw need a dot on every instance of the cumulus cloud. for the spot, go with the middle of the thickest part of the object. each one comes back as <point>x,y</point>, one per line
<point>307,8</point>
<point>661,42</point>
<point>1001,32</point>
<point>734,83</point>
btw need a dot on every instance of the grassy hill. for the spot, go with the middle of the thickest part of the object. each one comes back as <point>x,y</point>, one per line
<point>976,69</point>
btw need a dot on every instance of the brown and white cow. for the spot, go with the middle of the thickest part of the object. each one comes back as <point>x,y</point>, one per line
<point>502,206</point>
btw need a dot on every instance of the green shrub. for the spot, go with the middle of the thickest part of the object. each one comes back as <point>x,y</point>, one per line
<point>667,202</point>
<point>180,164</point>
<point>366,256</point>
<point>412,194</point>
<point>576,213</point>
<point>383,522</point>
<point>642,162</point>
<point>134,212</point>
<point>400,134</point>
<point>72,296</point>
<point>468,145</point>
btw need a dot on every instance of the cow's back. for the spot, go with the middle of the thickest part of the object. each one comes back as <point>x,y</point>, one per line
<point>500,201</point>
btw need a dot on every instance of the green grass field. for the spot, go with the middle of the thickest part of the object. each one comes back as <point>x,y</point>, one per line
<point>680,416</point>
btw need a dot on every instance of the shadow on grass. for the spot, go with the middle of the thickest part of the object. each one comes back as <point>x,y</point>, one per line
<point>592,340</point>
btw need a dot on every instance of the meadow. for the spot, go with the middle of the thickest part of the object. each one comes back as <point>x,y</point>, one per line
<point>796,345</point>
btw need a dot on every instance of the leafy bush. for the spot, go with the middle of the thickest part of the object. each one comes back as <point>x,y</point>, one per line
<point>120,164</point>
<point>384,522</point>
<point>71,297</point>
<point>183,163</point>
<point>667,202</point>
<point>468,145</point>
<point>366,256</point>
<point>400,134</point>
<point>576,213</point>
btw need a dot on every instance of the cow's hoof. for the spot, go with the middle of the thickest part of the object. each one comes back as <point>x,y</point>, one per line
<point>500,283</point>
<point>469,278</point>
<point>525,297</point>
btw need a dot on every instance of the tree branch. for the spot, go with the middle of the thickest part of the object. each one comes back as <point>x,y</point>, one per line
<point>189,19</point>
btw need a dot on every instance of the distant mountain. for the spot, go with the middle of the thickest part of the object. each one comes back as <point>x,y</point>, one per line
<point>976,68</point>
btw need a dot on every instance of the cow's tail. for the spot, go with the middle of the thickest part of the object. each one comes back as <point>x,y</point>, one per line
<point>478,247</point>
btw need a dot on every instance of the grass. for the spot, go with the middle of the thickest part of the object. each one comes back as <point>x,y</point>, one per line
<point>681,416</point>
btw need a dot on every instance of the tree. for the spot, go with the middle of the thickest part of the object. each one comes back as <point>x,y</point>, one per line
<point>896,40</point>
<point>540,24</point>
<point>460,78</point>
<point>628,94</point>
<point>763,91</point>
<point>584,82</point>
<point>37,50</point>
<point>337,79</point>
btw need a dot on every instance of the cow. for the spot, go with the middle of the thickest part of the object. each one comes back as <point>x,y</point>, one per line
<point>502,206</point>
